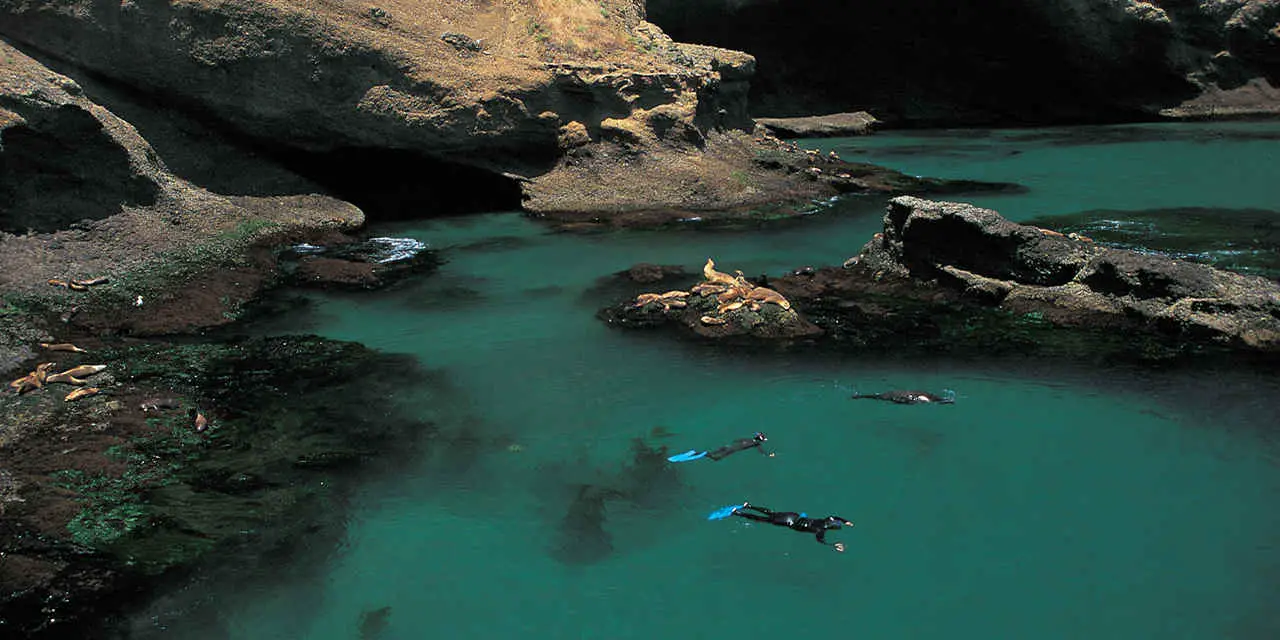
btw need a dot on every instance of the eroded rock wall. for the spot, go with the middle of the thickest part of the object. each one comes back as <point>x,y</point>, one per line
<point>505,86</point>
<point>63,158</point>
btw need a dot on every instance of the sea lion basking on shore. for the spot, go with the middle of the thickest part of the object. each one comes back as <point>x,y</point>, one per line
<point>62,346</point>
<point>902,396</point>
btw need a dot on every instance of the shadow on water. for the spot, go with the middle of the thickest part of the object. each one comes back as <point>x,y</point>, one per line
<point>645,483</point>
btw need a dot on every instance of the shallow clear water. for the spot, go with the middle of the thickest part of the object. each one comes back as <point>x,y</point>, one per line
<point>1050,501</point>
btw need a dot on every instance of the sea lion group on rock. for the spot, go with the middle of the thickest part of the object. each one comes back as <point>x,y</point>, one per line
<point>41,376</point>
<point>81,284</point>
<point>723,300</point>
<point>731,292</point>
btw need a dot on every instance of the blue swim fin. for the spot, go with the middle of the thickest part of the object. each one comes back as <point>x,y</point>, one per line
<point>691,454</point>
<point>723,512</point>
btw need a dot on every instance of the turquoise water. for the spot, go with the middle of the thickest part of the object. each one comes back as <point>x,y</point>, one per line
<point>1050,501</point>
<point>1070,169</point>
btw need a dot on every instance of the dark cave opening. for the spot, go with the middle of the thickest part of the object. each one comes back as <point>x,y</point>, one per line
<point>395,184</point>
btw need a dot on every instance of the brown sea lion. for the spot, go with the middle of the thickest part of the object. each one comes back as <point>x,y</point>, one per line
<point>62,346</point>
<point>730,306</point>
<point>765,294</point>
<point>709,272</point>
<point>84,370</point>
<point>83,392</point>
<point>65,378</point>
<point>198,421</point>
<point>712,320</point>
<point>707,289</point>
<point>91,282</point>
<point>25,383</point>
<point>59,283</point>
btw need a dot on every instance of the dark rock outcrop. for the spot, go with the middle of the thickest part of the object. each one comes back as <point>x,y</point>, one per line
<point>373,263</point>
<point>931,62</point>
<point>834,125</point>
<point>953,278</point>
<point>1069,280</point>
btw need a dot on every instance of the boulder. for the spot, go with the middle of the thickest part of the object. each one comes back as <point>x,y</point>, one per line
<point>1069,279</point>
<point>833,125</point>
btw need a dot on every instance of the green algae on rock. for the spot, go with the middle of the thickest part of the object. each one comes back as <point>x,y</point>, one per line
<point>146,495</point>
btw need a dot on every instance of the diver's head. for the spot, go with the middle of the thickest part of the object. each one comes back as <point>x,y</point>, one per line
<point>760,437</point>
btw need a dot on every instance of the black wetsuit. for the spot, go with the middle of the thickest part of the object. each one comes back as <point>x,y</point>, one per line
<point>907,397</point>
<point>792,520</point>
<point>741,444</point>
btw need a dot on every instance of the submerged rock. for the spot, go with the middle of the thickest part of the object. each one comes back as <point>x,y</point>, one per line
<point>143,495</point>
<point>373,263</point>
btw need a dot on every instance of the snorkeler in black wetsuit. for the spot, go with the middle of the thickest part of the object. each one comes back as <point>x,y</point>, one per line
<point>741,444</point>
<point>795,521</point>
<point>904,396</point>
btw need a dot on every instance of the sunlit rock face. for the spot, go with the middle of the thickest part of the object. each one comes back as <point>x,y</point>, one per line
<point>507,88</point>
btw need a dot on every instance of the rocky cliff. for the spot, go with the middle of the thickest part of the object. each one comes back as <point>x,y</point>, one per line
<point>926,62</point>
<point>522,91</point>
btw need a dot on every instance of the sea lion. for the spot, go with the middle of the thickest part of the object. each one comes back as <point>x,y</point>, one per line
<point>764,294</point>
<point>91,282</point>
<point>709,272</point>
<point>84,370</point>
<point>707,289</point>
<point>62,346</point>
<point>667,300</point>
<point>83,392</point>
<point>24,384</point>
<point>59,283</point>
<point>902,396</point>
<point>711,320</point>
<point>730,306</point>
<point>65,378</point>
<point>156,404</point>
<point>198,421</point>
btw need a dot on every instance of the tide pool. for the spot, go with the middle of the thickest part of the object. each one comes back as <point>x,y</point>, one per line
<point>1050,501</point>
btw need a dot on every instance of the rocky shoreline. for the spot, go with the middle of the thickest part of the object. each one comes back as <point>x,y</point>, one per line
<point>112,495</point>
<point>130,237</point>
<point>954,278</point>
